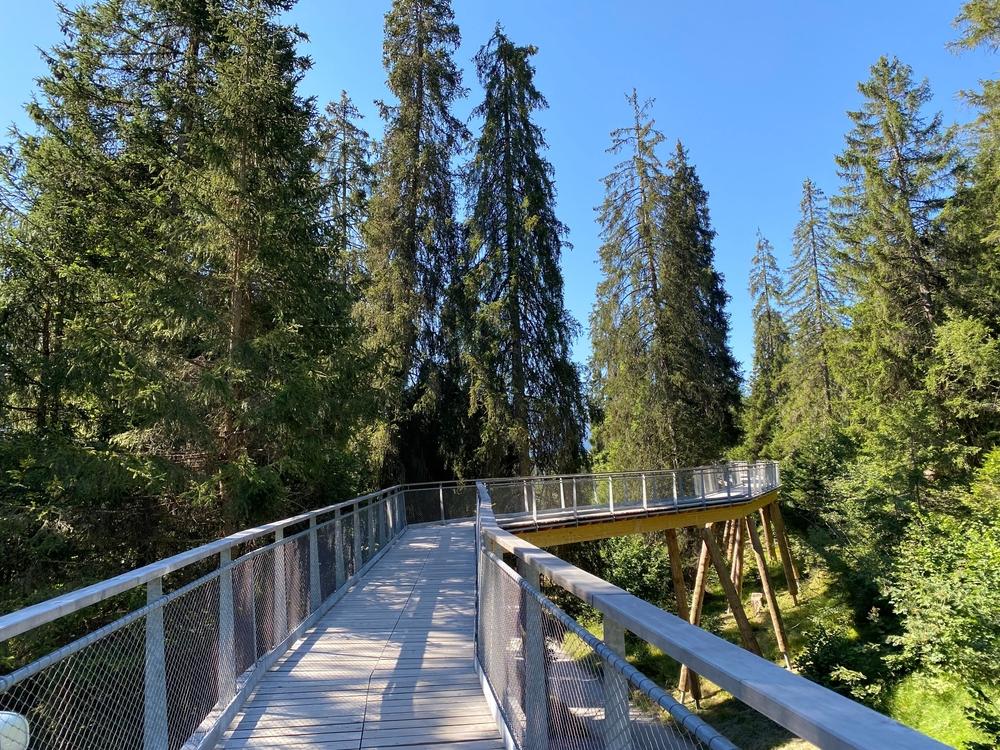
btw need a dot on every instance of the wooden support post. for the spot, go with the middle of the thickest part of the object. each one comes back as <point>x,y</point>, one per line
<point>746,632</point>
<point>680,592</point>
<point>765,522</point>
<point>689,680</point>
<point>738,559</point>
<point>786,552</point>
<point>765,582</point>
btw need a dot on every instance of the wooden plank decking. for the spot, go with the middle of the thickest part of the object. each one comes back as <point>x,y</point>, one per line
<point>389,666</point>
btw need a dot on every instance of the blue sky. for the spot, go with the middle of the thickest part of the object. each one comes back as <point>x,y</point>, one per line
<point>756,91</point>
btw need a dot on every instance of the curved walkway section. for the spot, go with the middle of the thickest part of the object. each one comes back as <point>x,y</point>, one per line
<point>390,666</point>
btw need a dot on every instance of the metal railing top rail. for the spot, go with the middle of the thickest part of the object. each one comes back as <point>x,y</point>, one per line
<point>705,468</point>
<point>807,709</point>
<point>22,620</point>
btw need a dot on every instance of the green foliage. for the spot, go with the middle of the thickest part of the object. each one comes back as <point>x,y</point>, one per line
<point>768,384</point>
<point>638,564</point>
<point>518,353</point>
<point>665,385</point>
<point>411,301</point>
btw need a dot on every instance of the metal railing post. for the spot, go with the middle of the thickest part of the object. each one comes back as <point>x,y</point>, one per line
<point>154,733</point>
<point>372,543</point>
<point>727,478</point>
<point>382,508</point>
<point>536,695</point>
<point>562,494</point>
<point>645,501</point>
<point>611,495</point>
<point>441,500</point>
<point>358,549</point>
<point>524,484</point>
<point>227,631</point>
<point>574,498</point>
<point>534,503</point>
<point>616,691</point>
<point>315,590</point>
<point>340,570</point>
<point>280,596</point>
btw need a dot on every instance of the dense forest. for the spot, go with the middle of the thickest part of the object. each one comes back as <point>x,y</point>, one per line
<point>222,302</point>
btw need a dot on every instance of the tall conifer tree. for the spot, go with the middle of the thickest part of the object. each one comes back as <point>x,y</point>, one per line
<point>768,384</point>
<point>628,433</point>
<point>814,302</point>
<point>346,173</point>
<point>666,384</point>
<point>522,377</point>
<point>414,248</point>
<point>897,169</point>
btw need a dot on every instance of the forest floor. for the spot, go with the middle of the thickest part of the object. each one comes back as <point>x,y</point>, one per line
<point>930,704</point>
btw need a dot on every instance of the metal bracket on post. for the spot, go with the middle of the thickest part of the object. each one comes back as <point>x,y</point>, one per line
<point>616,691</point>
<point>280,597</point>
<point>340,571</point>
<point>315,590</point>
<point>536,694</point>
<point>154,734</point>
<point>227,631</point>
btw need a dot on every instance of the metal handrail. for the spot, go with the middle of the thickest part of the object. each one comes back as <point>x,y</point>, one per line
<point>805,708</point>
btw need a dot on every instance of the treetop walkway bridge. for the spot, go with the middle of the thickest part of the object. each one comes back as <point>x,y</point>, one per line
<point>419,617</point>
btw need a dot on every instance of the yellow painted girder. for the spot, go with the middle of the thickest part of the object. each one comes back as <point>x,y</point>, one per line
<point>590,530</point>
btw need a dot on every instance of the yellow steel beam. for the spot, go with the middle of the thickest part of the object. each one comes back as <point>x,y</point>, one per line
<point>591,530</point>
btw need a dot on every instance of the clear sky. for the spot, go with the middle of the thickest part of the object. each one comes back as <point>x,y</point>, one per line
<point>756,90</point>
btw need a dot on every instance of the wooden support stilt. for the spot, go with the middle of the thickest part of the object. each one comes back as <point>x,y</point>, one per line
<point>746,632</point>
<point>777,624</point>
<point>786,552</point>
<point>765,522</point>
<point>729,539</point>
<point>689,681</point>
<point>736,557</point>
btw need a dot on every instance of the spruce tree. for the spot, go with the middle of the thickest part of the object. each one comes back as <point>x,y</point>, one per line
<point>897,169</point>
<point>523,380</point>
<point>768,384</point>
<point>813,301</point>
<point>346,173</point>
<point>413,249</point>
<point>628,432</point>
<point>666,385</point>
<point>701,388</point>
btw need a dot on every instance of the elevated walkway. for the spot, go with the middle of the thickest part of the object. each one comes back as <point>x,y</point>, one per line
<point>392,665</point>
<point>360,625</point>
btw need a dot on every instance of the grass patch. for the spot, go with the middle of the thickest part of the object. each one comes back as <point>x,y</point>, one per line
<point>935,706</point>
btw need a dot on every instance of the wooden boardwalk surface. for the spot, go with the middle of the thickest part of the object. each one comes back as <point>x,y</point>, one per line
<point>389,666</point>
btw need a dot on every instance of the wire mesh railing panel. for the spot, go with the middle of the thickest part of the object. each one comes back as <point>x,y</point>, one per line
<point>351,566</point>
<point>326,544</point>
<point>559,686</point>
<point>244,615</point>
<point>191,660</point>
<point>264,608</point>
<point>296,554</point>
<point>83,696</point>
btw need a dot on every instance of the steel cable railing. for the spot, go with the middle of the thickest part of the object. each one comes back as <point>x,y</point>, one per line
<point>167,675</point>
